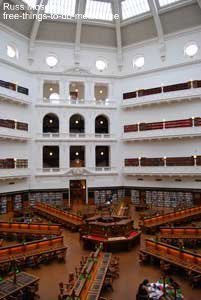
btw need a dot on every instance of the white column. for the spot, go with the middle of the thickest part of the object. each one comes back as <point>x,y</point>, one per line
<point>90,156</point>
<point>110,92</point>
<point>41,83</point>
<point>64,89</point>
<point>89,90</point>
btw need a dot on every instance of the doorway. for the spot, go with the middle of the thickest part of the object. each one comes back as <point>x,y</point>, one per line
<point>77,192</point>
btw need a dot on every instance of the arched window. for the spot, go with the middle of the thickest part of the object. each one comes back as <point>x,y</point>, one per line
<point>77,124</point>
<point>51,157</point>
<point>50,123</point>
<point>101,124</point>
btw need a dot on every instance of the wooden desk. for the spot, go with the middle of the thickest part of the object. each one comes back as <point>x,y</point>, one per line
<point>154,222</point>
<point>180,233</point>
<point>184,259</point>
<point>23,280</point>
<point>7,228</point>
<point>98,278</point>
<point>23,252</point>
<point>90,282</point>
<point>60,216</point>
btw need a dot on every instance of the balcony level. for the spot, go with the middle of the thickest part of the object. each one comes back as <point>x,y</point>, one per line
<point>186,91</point>
<point>107,104</point>
<point>185,128</point>
<point>12,93</point>
<point>11,168</point>
<point>166,166</point>
<point>13,130</point>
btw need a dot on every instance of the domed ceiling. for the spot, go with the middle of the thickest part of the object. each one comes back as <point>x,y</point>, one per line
<point>110,23</point>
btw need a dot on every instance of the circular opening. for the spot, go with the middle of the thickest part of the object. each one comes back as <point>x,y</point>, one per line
<point>51,61</point>
<point>101,65</point>
<point>11,51</point>
<point>191,49</point>
<point>54,96</point>
<point>139,62</point>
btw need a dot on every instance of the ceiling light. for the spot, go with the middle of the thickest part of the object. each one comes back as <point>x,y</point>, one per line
<point>76,122</point>
<point>50,153</point>
<point>51,61</point>
<point>101,122</point>
<point>191,49</point>
<point>138,62</point>
<point>11,51</point>
<point>51,121</point>
<point>76,153</point>
<point>101,65</point>
<point>51,89</point>
<point>76,90</point>
<point>102,153</point>
<point>100,91</point>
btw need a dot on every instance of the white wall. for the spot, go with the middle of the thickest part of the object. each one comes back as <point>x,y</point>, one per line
<point>175,69</point>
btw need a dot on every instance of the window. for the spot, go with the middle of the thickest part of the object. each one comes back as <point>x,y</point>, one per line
<point>191,49</point>
<point>31,3</point>
<point>131,8</point>
<point>11,51</point>
<point>139,62</point>
<point>101,65</point>
<point>100,10</point>
<point>167,2</point>
<point>54,96</point>
<point>51,61</point>
<point>61,7</point>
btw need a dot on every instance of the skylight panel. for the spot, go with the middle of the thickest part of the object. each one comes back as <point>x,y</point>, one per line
<point>131,8</point>
<point>31,3</point>
<point>61,7</point>
<point>167,2</point>
<point>98,10</point>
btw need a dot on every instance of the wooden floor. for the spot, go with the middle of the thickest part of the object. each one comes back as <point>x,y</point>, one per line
<point>131,273</point>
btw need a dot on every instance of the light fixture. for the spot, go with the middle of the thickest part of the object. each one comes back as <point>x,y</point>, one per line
<point>164,157</point>
<point>100,91</point>
<point>101,65</point>
<point>139,62</point>
<point>101,122</point>
<point>191,49</point>
<point>50,121</point>
<point>51,61</point>
<point>11,51</point>
<point>51,89</point>
<point>195,156</point>
<point>76,90</point>
<point>76,122</point>
<point>50,153</point>
<point>76,153</point>
<point>102,153</point>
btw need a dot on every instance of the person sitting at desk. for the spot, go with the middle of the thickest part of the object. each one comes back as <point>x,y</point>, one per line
<point>143,293</point>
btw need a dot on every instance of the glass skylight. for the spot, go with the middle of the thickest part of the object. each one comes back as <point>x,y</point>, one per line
<point>131,8</point>
<point>167,2</point>
<point>99,10</point>
<point>31,3</point>
<point>61,7</point>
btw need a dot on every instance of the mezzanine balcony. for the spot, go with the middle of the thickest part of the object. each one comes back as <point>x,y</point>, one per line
<point>85,137</point>
<point>13,96</point>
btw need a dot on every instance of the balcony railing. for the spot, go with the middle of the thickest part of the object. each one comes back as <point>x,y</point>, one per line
<point>74,136</point>
<point>10,129</point>
<point>81,103</point>
<point>87,171</point>
<point>163,165</point>
<point>13,93</point>
<point>175,92</point>
<point>164,129</point>
<point>179,171</point>
<point>11,167</point>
